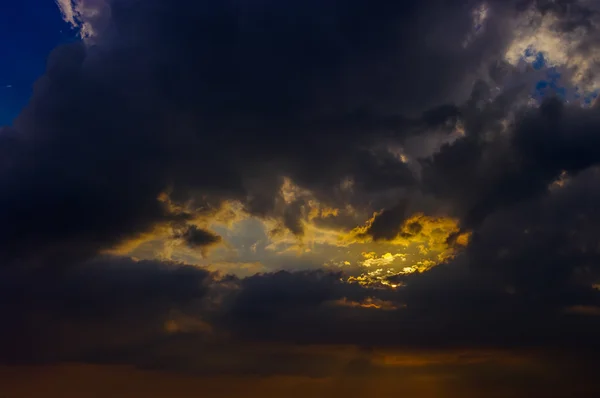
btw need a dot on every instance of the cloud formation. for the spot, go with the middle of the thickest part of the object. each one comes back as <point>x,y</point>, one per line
<point>371,178</point>
<point>88,17</point>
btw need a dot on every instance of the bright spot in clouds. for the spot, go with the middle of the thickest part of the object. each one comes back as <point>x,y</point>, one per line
<point>86,16</point>
<point>539,42</point>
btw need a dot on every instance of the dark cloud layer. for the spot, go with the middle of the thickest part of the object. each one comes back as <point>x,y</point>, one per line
<point>214,101</point>
<point>220,100</point>
<point>481,175</point>
<point>168,316</point>
<point>101,303</point>
<point>388,223</point>
<point>196,237</point>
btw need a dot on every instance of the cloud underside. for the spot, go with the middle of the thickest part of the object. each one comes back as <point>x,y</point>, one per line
<point>217,188</point>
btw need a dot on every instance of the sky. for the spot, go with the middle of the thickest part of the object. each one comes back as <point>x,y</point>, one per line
<point>29,30</point>
<point>317,198</point>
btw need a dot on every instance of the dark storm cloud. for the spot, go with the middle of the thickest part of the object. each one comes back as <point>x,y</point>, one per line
<point>451,306</point>
<point>388,223</point>
<point>481,174</point>
<point>271,296</point>
<point>218,100</point>
<point>546,247</point>
<point>101,304</point>
<point>162,316</point>
<point>167,316</point>
<point>214,101</point>
<point>196,237</point>
<point>292,217</point>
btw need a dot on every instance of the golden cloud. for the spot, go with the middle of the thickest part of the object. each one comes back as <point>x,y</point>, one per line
<point>585,310</point>
<point>179,322</point>
<point>367,303</point>
<point>250,245</point>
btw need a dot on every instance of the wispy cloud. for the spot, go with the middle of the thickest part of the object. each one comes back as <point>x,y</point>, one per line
<point>87,16</point>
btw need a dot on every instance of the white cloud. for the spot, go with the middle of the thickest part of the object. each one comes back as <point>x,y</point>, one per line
<point>540,33</point>
<point>67,9</point>
<point>87,16</point>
